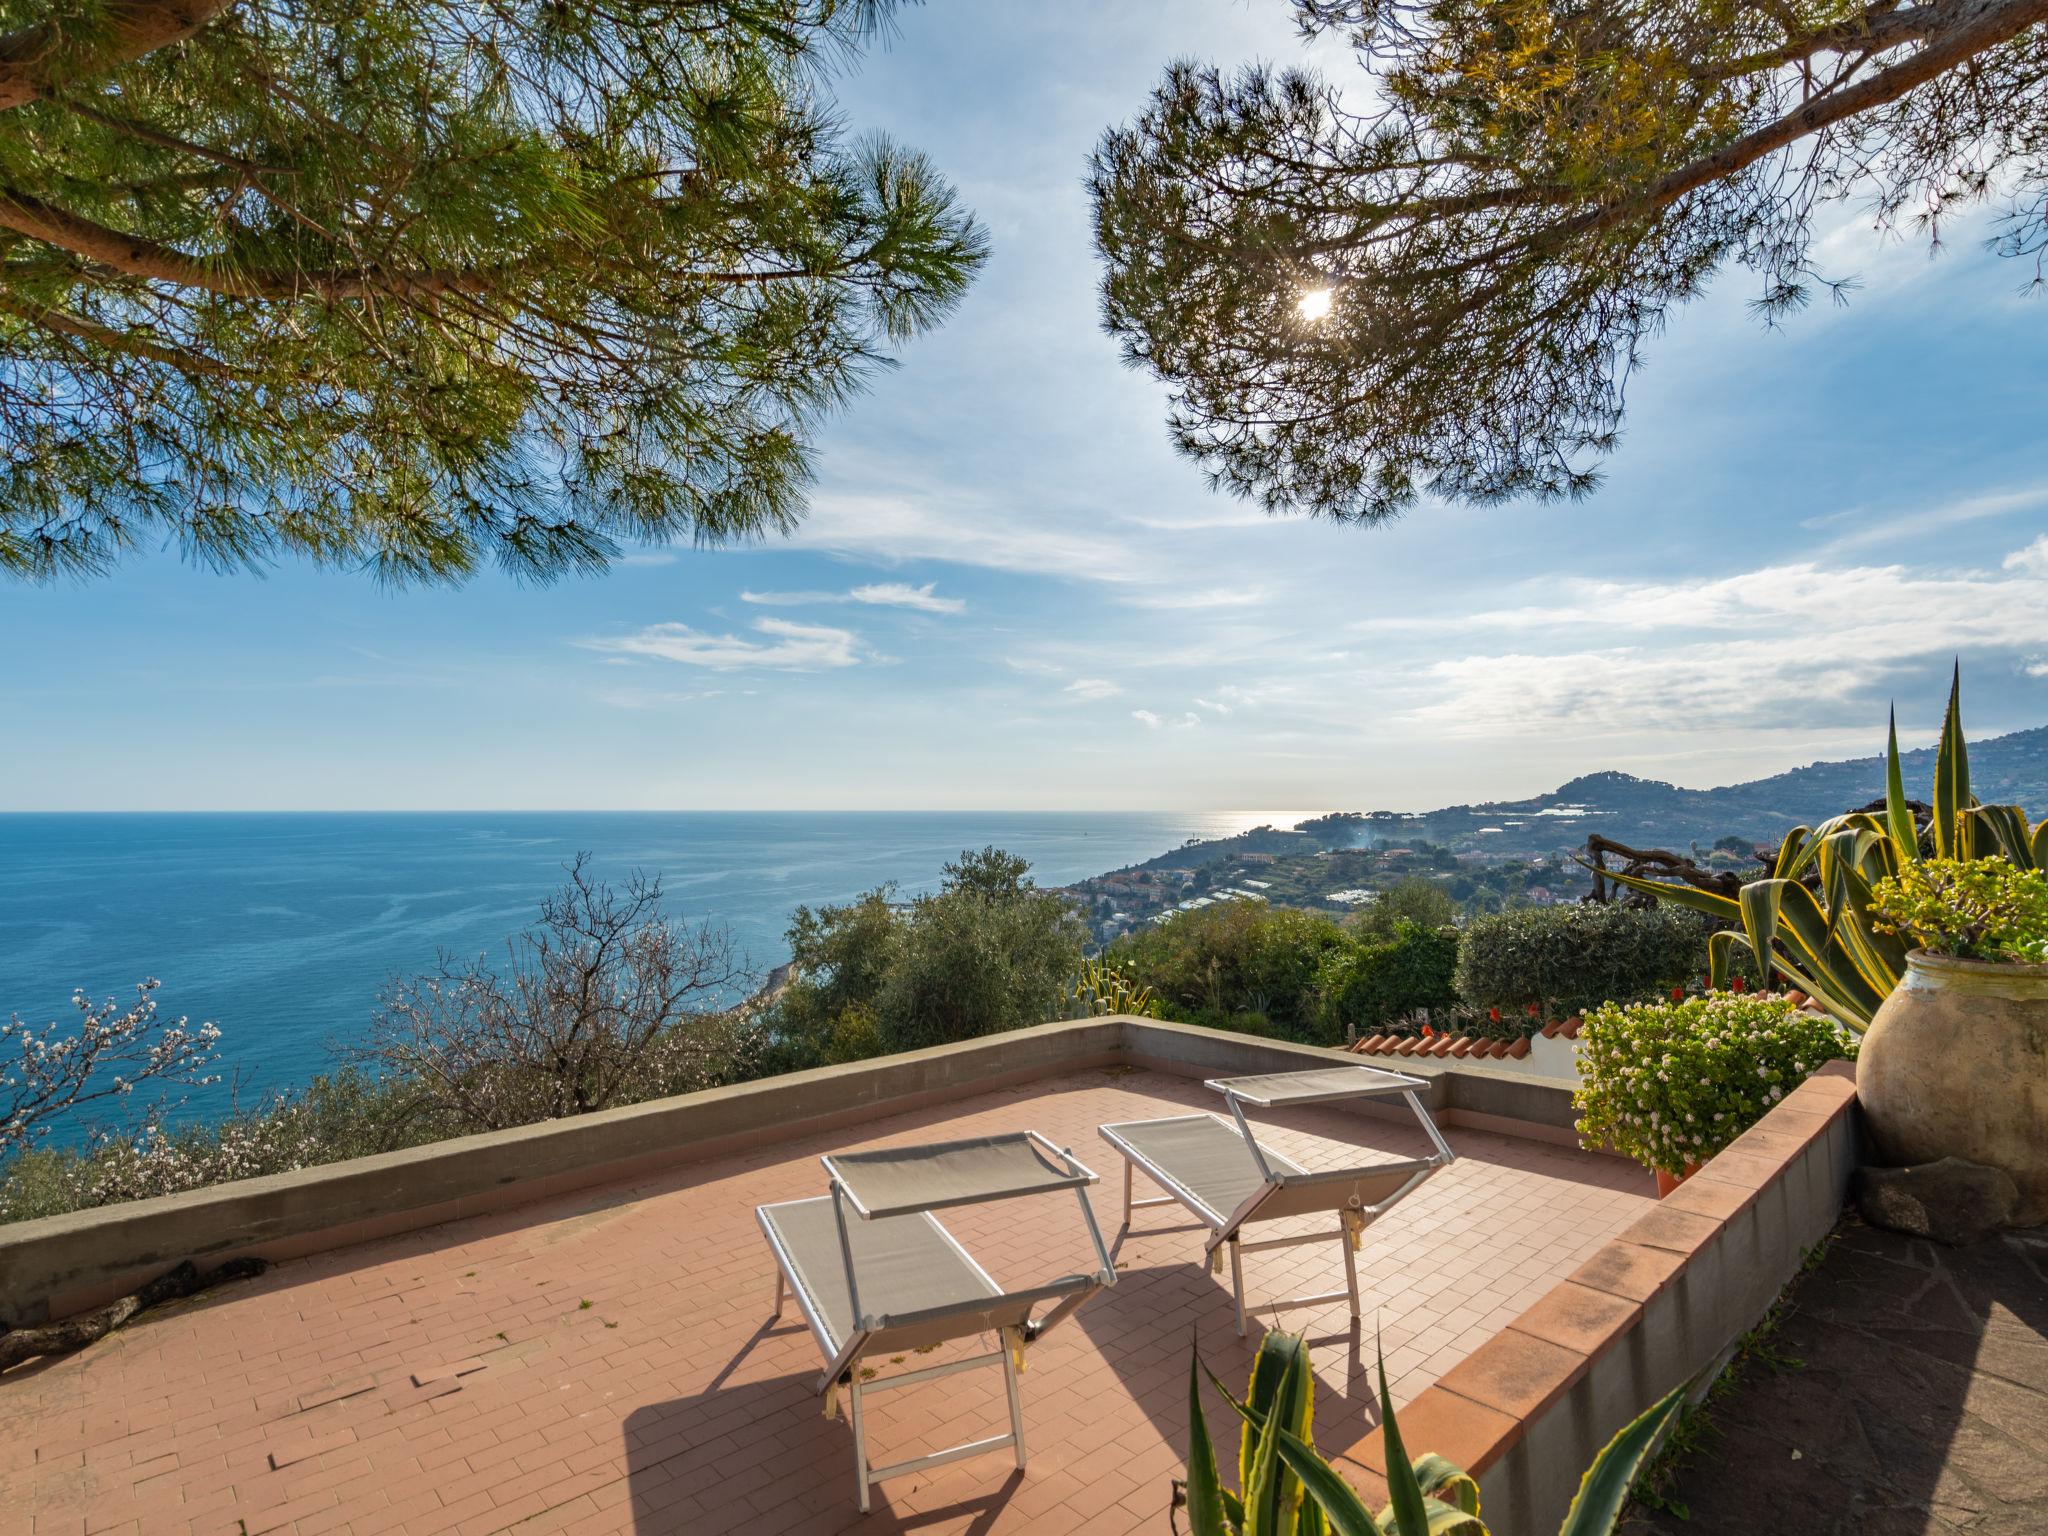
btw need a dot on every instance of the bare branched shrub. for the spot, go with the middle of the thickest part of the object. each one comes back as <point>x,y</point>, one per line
<point>603,1001</point>
<point>46,1072</point>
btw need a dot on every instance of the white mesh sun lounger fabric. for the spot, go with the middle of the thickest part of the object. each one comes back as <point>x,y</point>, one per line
<point>893,1180</point>
<point>1320,1085</point>
<point>1201,1158</point>
<point>908,1264</point>
<point>1229,1179</point>
<point>875,1273</point>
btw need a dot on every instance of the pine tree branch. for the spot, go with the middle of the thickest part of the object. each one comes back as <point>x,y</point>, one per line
<point>128,343</point>
<point>32,59</point>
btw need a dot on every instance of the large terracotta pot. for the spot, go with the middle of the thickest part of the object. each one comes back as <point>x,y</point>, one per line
<point>1956,1065</point>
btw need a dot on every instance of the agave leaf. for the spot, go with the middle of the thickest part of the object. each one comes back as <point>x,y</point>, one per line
<point>1951,776</point>
<point>1604,1488</point>
<point>1762,902</point>
<point>2039,843</point>
<point>1206,1515</point>
<point>1846,1011</point>
<point>1879,957</point>
<point>1798,921</point>
<point>1272,1494</point>
<point>1723,907</point>
<point>2006,826</point>
<point>1444,1479</point>
<point>1338,1502</point>
<point>1250,1415</point>
<point>1905,835</point>
<point>1794,853</point>
<point>1721,949</point>
<point>1444,1519</point>
<point>1277,1352</point>
<point>1410,1517</point>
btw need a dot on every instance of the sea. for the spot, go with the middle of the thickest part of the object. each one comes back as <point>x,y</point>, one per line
<point>283,928</point>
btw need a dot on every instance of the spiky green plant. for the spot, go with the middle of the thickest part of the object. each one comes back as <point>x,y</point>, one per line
<point>1099,990</point>
<point>1286,1488</point>
<point>1825,938</point>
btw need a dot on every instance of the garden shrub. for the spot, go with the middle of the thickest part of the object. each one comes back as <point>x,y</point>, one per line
<point>1374,983</point>
<point>1671,1084</point>
<point>988,952</point>
<point>1972,909</point>
<point>1235,959</point>
<point>1562,960</point>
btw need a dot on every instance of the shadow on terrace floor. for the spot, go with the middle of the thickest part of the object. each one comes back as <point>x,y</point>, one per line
<point>1919,1402</point>
<point>707,1462</point>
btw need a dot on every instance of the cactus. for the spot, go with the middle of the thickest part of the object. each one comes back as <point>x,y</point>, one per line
<point>1099,990</point>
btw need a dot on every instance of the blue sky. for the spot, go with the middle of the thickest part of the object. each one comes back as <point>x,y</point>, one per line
<point>1010,593</point>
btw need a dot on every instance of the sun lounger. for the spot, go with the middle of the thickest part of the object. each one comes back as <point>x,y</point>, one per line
<point>875,1273</point>
<point>1229,1179</point>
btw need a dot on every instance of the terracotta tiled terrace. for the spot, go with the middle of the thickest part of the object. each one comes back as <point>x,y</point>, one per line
<point>604,1360</point>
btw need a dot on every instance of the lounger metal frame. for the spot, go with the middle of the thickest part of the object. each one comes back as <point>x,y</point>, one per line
<point>886,1334</point>
<point>1278,1173</point>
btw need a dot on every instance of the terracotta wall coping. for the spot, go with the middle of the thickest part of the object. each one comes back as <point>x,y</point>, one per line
<point>1481,1408</point>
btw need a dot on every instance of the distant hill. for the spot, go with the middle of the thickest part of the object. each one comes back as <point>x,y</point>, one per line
<point>2011,769</point>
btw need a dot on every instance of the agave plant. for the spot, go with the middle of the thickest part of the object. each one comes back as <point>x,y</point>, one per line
<point>1811,920</point>
<point>1286,1488</point>
<point>1100,990</point>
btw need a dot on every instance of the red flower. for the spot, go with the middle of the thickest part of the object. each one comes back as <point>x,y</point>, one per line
<point>1493,1014</point>
<point>1678,994</point>
<point>1532,1010</point>
<point>1735,984</point>
<point>1427,1031</point>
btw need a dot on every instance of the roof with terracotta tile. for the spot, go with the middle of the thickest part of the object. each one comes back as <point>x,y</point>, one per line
<point>605,1361</point>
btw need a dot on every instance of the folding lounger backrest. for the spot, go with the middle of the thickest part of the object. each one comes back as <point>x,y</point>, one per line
<point>876,1274</point>
<point>1337,1189</point>
<point>894,1184</point>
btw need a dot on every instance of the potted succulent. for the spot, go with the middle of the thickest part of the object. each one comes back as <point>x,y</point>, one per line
<point>1671,1084</point>
<point>1955,1063</point>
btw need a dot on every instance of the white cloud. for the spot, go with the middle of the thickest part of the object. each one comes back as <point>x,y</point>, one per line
<point>2033,559</point>
<point>1153,721</point>
<point>1212,597</point>
<point>878,594</point>
<point>1212,705</point>
<point>2036,666</point>
<point>967,528</point>
<point>901,594</point>
<point>1147,719</point>
<point>1788,642</point>
<point>791,647</point>
<point>1968,509</point>
<point>649,557</point>
<point>1088,689</point>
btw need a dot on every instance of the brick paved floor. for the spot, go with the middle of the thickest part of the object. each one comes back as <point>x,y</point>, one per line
<point>604,1361</point>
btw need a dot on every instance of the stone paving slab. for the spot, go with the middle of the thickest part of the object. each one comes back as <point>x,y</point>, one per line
<point>604,1361</point>
<point>1920,1404</point>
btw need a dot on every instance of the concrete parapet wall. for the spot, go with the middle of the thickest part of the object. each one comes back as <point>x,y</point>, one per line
<point>62,1264</point>
<point>1661,1305</point>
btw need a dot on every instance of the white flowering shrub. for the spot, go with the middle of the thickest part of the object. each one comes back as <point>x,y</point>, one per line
<point>337,1115</point>
<point>106,1053</point>
<point>1671,1084</point>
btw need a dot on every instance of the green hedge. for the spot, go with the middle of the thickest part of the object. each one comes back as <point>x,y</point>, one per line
<point>1375,983</point>
<point>1235,961</point>
<point>1563,960</point>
